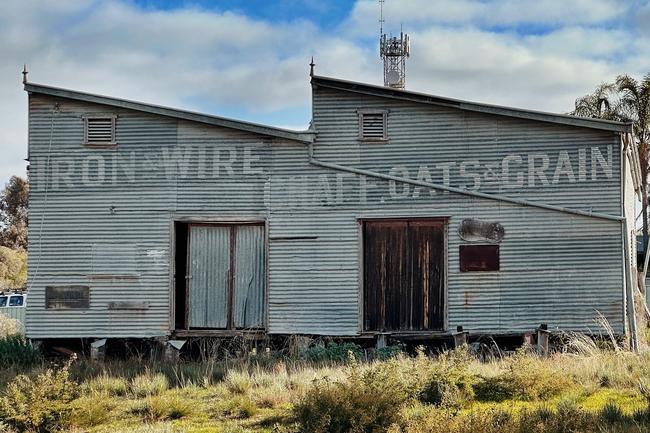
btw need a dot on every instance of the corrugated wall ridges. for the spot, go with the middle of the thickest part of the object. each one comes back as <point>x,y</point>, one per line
<point>208,287</point>
<point>250,276</point>
<point>556,269</point>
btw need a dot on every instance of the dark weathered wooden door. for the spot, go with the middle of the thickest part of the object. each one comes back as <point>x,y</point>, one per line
<point>404,265</point>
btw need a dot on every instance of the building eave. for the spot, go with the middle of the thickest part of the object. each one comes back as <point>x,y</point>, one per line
<point>300,136</point>
<point>387,92</point>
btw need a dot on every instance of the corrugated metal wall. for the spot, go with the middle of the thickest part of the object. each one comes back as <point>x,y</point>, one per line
<point>555,268</point>
<point>105,218</point>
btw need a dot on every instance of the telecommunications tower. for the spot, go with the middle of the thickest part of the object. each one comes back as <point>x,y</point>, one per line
<point>393,51</point>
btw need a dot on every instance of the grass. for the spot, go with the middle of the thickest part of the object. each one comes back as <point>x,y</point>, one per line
<point>587,390</point>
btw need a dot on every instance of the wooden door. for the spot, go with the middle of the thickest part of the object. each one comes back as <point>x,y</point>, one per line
<point>404,263</point>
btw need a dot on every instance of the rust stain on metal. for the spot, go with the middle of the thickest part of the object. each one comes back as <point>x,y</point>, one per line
<point>404,275</point>
<point>468,296</point>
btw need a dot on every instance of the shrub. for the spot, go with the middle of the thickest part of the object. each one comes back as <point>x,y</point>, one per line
<point>146,385</point>
<point>334,352</point>
<point>13,267</point>
<point>4,428</point>
<point>565,418</point>
<point>115,386</point>
<point>16,351</point>
<point>449,382</point>
<point>388,352</point>
<point>237,382</point>
<point>271,397</point>
<point>360,404</point>
<point>10,327</point>
<point>90,411</point>
<point>165,407</point>
<point>41,403</point>
<point>493,389</point>
<point>240,407</point>
<point>449,389</point>
<point>612,414</point>
<point>527,377</point>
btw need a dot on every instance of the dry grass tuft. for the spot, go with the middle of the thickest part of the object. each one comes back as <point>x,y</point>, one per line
<point>147,385</point>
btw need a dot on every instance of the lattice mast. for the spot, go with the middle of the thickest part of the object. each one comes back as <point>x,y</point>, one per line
<point>394,51</point>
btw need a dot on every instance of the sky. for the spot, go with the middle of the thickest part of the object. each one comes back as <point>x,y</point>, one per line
<point>249,59</point>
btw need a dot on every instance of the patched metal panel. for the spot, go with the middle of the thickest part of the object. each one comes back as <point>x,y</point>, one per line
<point>209,258</point>
<point>249,280</point>
<point>112,260</point>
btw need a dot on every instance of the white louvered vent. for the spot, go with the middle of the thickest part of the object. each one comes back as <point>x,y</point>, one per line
<point>100,130</point>
<point>372,125</point>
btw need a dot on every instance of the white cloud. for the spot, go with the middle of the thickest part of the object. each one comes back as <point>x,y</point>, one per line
<point>499,69</point>
<point>482,13</point>
<point>199,59</point>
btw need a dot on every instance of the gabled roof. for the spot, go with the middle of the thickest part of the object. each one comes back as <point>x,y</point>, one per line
<point>301,136</point>
<point>387,92</point>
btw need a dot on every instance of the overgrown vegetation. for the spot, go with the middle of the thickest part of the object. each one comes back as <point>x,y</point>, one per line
<point>13,268</point>
<point>334,352</point>
<point>15,351</point>
<point>9,327</point>
<point>586,390</point>
<point>39,403</point>
<point>13,215</point>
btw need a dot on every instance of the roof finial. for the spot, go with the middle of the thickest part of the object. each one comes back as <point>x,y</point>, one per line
<point>25,73</point>
<point>311,67</point>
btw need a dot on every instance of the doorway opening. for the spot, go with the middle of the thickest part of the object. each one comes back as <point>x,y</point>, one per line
<point>220,276</point>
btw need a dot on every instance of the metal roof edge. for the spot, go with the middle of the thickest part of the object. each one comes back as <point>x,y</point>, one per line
<point>386,92</point>
<point>301,136</point>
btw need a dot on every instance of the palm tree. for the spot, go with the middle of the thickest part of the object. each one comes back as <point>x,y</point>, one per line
<point>603,103</point>
<point>625,100</point>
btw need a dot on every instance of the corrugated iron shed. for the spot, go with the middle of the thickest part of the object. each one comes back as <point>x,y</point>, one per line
<point>113,219</point>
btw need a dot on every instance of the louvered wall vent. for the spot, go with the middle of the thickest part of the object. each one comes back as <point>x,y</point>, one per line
<point>372,125</point>
<point>99,130</point>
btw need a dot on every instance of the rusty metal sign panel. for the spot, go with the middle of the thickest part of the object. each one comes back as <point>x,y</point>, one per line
<point>64,297</point>
<point>479,258</point>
